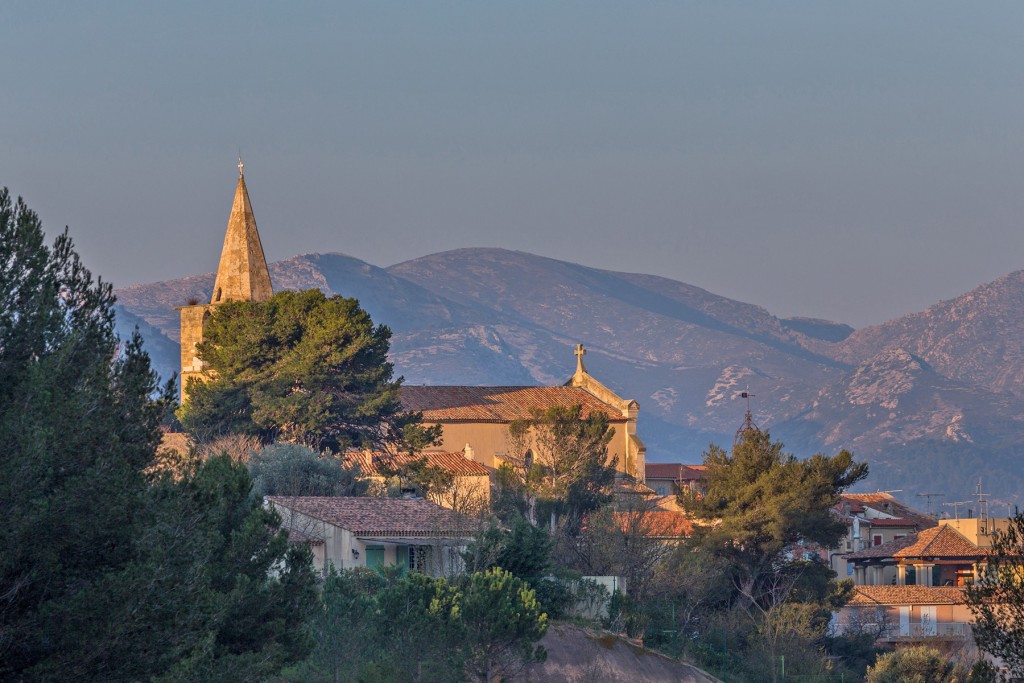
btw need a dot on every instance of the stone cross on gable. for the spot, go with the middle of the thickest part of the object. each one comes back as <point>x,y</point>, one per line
<point>580,352</point>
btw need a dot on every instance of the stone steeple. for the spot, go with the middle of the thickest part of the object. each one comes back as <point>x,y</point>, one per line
<point>242,274</point>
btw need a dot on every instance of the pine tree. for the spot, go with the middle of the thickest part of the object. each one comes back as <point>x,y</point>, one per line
<point>302,368</point>
<point>108,572</point>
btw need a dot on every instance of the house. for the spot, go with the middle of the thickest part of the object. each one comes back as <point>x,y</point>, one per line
<point>908,614</point>
<point>351,532</point>
<point>872,519</point>
<point>468,485</point>
<point>480,416</point>
<point>664,477</point>
<point>939,556</point>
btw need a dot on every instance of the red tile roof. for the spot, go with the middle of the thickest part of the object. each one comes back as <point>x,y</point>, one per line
<point>899,522</point>
<point>296,536</point>
<point>941,541</point>
<point>380,516</point>
<point>675,471</point>
<point>883,551</point>
<point>885,503</point>
<point>371,464</point>
<point>661,523</point>
<point>497,404</point>
<point>907,595</point>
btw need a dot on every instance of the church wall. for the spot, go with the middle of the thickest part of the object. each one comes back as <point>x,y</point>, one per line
<point>489,441</point>
<point>193,319</point>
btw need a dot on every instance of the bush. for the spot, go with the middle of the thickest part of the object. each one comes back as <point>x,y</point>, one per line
<point>293,470</point>
<point>919,664</point>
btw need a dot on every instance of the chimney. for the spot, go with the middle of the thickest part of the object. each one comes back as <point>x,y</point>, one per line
<point>468,452</point>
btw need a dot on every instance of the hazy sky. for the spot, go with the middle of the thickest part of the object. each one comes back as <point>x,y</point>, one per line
<point>853,161</point>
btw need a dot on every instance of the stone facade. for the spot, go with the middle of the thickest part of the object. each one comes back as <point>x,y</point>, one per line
<point>241,276</point>
<point>479,417</point>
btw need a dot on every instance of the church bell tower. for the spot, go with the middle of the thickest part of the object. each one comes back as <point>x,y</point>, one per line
<point>241,276</point>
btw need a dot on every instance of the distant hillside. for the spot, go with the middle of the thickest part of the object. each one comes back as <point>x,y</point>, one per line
<point>976,338</point>
<point>491,316</point>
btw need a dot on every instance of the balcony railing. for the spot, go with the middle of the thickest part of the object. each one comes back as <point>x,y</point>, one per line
<point>916,630</point>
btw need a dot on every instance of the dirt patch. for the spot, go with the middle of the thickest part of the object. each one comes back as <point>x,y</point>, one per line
<point>578,655</point>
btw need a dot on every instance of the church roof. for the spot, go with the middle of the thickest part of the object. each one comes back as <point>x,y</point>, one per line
<point>242,274</point>
<point>375,464</point>
<point>497,404</point>
<point>675,471</point>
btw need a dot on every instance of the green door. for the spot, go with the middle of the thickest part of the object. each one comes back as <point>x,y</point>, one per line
<point>374,556</point>
<point>402,557</point>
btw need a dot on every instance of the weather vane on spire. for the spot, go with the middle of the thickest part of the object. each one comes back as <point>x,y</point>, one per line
<point>748,420</point>
<point>240,164</point>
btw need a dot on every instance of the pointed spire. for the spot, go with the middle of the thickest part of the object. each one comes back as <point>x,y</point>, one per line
<point>242,274</point>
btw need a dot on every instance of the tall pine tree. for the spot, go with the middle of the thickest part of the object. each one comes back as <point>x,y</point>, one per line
<point>105,573</point>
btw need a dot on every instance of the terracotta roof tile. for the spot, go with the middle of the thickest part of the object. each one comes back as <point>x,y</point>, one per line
<point>907,595</point>
<point>941,541</point>
<point>675,471</point>
<point>886,503</point>
<point>380,516</point>
<point>899,522</point>
<point>664,524</point>
<point>497,404</point>
<point>882,551</point>
<point>455,463</point>
<point>296,536</point>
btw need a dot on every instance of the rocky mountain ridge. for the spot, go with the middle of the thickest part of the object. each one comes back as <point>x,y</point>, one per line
<point>940,382</point>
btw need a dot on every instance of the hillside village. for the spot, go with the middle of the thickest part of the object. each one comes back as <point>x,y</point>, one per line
<point>292,511</point>
<point>423,510</point>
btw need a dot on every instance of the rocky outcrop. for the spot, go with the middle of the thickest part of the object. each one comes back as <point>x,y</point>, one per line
<point>578,655</point>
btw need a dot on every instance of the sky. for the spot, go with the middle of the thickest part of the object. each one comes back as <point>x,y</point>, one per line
<point>850,161</point>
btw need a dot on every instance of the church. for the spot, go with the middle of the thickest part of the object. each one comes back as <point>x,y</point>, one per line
<point>474,419</point>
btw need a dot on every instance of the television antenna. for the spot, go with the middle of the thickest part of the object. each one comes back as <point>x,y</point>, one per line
<point>928,500</point>
<point>982,502</point>
<point>956,507</point>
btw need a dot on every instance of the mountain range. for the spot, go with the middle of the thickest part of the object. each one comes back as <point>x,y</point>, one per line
<point>931,400</point>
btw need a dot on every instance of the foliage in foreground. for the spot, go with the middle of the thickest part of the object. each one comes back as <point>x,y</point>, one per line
<point>392,626</point>
<point>106,573</point>
<point>558,465</point>
<point>293,470</point>
<point>923,664</point>
<point>997,602</point>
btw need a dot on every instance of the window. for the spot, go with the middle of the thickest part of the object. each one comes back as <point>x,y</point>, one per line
<point>418,558</point>
<point>876,539</point>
